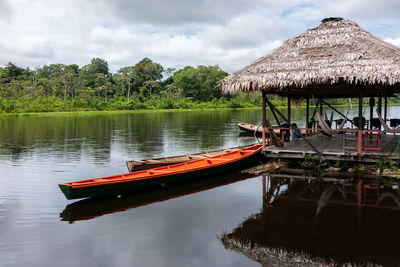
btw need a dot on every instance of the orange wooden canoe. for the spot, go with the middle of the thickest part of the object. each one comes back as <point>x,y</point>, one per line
<point>128,182</point>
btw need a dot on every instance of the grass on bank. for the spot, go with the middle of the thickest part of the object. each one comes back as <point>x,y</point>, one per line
<point>155,102</point>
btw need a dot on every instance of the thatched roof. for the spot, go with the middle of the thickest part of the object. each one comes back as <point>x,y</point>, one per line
<point>335,59</point>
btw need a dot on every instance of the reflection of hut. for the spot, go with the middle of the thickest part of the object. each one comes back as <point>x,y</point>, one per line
<point>337,59</point>
<point>294,224</point>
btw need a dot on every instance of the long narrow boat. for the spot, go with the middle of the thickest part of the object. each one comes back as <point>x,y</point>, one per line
<point>251,128</point>
<point>128,182</point>
<point>139,165</point>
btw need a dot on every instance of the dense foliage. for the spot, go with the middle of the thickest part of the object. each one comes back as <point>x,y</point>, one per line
<point>145,85</point>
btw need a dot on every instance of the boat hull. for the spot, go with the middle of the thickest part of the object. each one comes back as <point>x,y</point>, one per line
<point>144,184</point>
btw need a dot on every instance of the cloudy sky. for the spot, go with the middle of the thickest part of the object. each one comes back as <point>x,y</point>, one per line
<point>174,33</point>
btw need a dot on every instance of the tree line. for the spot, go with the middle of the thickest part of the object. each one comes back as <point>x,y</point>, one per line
<point>145,85</point>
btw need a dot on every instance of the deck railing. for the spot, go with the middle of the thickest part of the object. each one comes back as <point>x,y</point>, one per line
<point>364,137</point>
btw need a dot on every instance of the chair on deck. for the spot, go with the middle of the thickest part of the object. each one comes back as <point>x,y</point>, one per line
<point>375,123</point>
<point>356,121</point>
<point>394,122</point>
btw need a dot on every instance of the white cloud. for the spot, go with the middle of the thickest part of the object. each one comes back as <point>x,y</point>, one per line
<point>5,10</point>
<point>176,34</point>
<point>395,41</point>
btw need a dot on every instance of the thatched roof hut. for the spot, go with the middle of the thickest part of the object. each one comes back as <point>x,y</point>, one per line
<point>335,59</point>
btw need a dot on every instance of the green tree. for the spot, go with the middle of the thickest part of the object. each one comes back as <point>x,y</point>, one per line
<point>93,73</point>
<point>69,80</point>
<point>148,74</point>
<point>97,65</point>
<point>127,76</point>
<point>199,83</point>
<point>12,71</point>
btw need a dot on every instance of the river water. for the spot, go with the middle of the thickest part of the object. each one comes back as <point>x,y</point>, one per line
<point>173,226</point>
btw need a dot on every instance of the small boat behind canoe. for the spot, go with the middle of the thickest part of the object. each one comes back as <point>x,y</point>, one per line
<point>160,162</point>
<point>252,128</point>
<point>135,181</point>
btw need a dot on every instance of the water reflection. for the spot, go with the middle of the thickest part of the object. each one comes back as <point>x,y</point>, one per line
<point>317,221</point>
<point>91,208</point>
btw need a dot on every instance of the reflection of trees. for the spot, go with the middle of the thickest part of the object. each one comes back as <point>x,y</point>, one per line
<point>62,135</point>
<point>204,128</point>
<point>335,220</point>
<point>68,136</point>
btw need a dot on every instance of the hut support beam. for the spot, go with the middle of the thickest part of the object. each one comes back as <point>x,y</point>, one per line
<point>307,111</point>
<point>340,113</point>
<point>385,118</point>
<point>360,124</point>
<point>264,116</point>
<point>289,109</point>
<point>320,107</point>
<point>380,108</point>
<point>294,127</point>
<point>371,111</point>
<point>360,114</point>
<point>275,117</point>
<point>316,108</point>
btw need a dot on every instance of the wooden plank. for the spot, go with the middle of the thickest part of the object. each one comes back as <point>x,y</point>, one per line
<point>390,144</point>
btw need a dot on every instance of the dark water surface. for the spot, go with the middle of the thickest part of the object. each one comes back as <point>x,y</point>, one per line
<point>173,226</point>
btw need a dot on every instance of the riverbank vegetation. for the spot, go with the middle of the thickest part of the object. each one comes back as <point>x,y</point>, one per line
<point>145,85</point>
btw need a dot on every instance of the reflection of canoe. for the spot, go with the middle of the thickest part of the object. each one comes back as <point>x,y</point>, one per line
<point>160,162</point>
<point>139,180</point>
<point>91,208</point>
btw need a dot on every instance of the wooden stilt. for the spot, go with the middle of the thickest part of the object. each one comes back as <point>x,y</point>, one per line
<point>275,117</point>
<point>371,111</point>
<point>385,117</point>
<point>380,108</point>
<point>320,107</point>
<point>307,111</point>
<point>360,124</point>
<point>316,108</point>
<point>360,115</point>
<point>264,116</point>
<point>289,109</point>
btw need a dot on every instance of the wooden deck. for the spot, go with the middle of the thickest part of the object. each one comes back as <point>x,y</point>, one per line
<point>337,147</point>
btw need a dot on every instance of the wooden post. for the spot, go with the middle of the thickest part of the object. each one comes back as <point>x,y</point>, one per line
<point>359,141</point>
<point>264,115</point>
<point>360,103</point>
<point>276,117</point>
<point>360,124</point>
<point>320,108</point>
<point>307,111</point>
<point>371,111</point>
<point>380,107</point>
<point>288,110</point>
<point>385,118</point>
